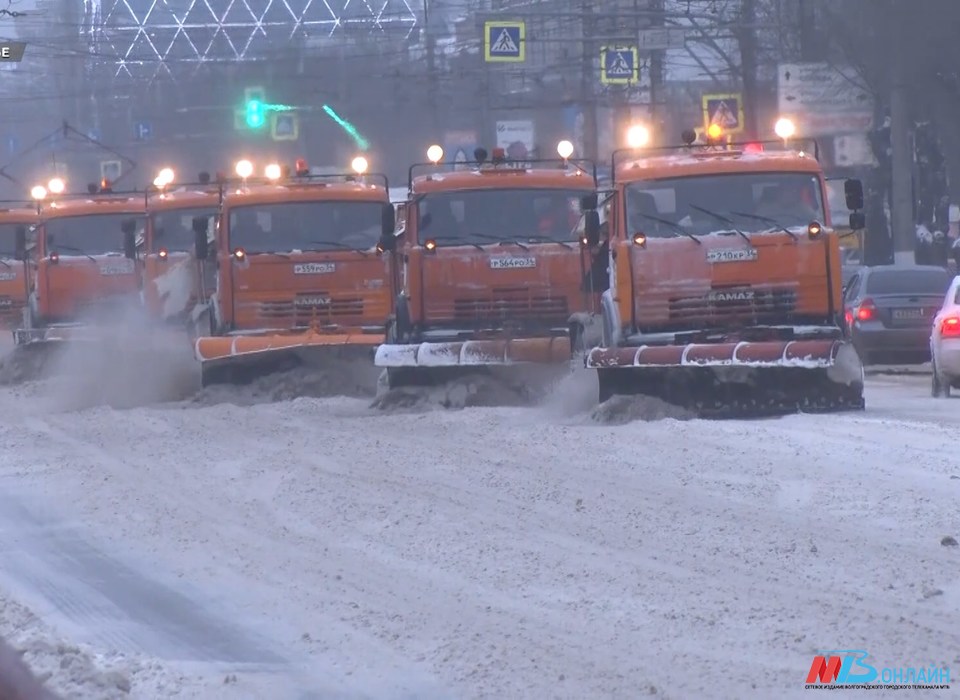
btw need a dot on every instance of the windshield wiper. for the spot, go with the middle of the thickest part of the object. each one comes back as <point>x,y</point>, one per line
<point>75,250</point>
<point>497,239</point>
<point>342,246</point>
<point>766,220</point>
<point>3,262</point>
<point>674,226</point>
<point>723,219</point>
<point>547,239</point>
<point>456,239</point>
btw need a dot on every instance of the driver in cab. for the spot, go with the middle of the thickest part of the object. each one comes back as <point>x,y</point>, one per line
<point>789,204</point>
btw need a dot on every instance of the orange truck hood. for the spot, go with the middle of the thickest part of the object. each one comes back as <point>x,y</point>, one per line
<point>700,284</point>
<point>541,283</point>
<point>344,290</point>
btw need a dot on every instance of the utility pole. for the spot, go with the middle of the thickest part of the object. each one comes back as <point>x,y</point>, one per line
<point>588,79</point>
<point>901,204</point>
<point>432,78</point>
<point>657,119</point>
<point>748,65</point>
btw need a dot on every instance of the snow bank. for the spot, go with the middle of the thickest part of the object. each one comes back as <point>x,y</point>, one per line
<point>77,671</point>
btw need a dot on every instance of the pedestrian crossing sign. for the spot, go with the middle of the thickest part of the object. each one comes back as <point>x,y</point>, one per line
<point>618,65</point>
<point>726,111</point>
<point>284,126</point>
<point>504,42</point>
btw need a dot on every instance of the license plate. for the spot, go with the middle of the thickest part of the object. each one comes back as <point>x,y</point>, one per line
<point>908,314</point>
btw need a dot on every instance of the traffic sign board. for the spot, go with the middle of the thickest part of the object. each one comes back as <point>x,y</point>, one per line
<point>110,169</point>
<point>144,131</point>
<point>13,143</point>
<point>284,126</point>
<point>662,38</point>
<point>504,42</point>
<point>618,65</point>
<point>725,111</point>
<point>824,99</point>
<point>93,134</point>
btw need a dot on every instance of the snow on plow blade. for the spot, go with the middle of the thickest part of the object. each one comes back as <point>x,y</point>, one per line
<point>434,363</point>
<point>736,379</point>
<point>242,359</point>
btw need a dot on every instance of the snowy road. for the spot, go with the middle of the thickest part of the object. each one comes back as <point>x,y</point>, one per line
<point>319,548</point>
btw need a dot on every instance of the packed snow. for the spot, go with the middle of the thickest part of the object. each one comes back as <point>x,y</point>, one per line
<point>234,543</point>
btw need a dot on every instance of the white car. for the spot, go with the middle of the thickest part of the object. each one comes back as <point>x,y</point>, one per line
<point>945,343</point>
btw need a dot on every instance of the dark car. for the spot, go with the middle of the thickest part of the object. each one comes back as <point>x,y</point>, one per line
<point>889,310</point>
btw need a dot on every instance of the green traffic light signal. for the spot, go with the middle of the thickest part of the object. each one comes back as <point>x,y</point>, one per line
<point>256,114</point>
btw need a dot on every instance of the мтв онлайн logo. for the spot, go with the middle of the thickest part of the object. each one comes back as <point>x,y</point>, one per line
<point>848,668</point>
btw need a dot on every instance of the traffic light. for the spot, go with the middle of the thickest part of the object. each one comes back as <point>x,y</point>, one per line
<point>255,108</point>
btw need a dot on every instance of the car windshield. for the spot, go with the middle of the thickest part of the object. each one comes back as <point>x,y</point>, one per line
<point>484,216</point>
<point>173,229</point>
<point>91,234</point>
<point>305,226</point>
<point>703,204</point>
<point>908,282</point>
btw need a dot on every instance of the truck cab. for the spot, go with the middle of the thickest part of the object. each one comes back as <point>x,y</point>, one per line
<point>174,281</point>
<point>721,254</point>
<point>84,260</point>
<point>18,221</point>
<point>490,270</point>
<point>297,265</point>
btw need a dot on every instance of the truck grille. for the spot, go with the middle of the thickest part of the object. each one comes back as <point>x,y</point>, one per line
<point>729,303</point>
<point>311,308</point>
<point>519,304</point>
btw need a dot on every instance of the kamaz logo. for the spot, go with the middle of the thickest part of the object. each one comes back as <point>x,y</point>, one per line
<point>731,295</point>
<point>115,270</point>
<point>7,276</point>
<point>312,301</point>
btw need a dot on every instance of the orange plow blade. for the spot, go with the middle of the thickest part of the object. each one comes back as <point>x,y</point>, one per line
<point>736,379</point>
<point>428,364</point>
<point>242,359</point>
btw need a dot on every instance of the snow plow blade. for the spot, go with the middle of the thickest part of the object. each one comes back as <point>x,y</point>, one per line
<point>429,364</point>
<point>736,379</point>
<point>242,359</point>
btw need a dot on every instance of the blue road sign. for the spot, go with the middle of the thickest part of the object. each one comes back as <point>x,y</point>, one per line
<point>725,111</point>
<point>93,134</point>
<point>504,42</point>
<point>13,143</point>
<point>619,66</point>
<point>143,131</point>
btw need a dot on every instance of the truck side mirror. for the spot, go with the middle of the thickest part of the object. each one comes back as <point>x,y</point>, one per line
<point>591,227</point>
<point>388,221</point>
<point>589,201</point>
<point>129,228</point>
<point>858,221</point>
<point>201,226</point>
<point>853,192</point>
<point>20,244</point>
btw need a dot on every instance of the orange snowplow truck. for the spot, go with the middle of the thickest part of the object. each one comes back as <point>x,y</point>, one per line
<point>300,280</point>
<point>725,286</point>
<point>491,277</point>
<point>82,262</point>
<point>175,282</point>
<point>17,221</point>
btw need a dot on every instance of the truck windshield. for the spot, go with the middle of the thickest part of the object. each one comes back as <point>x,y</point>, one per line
<point>173,229</point>
<point>305,226</point>
<point>518,214</point>
<point>8,239</point>
<point>703,204</point>
<point>90,234</point>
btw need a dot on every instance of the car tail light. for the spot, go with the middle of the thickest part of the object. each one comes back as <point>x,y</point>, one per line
<point>867,311</point>
<point>950,327</point>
